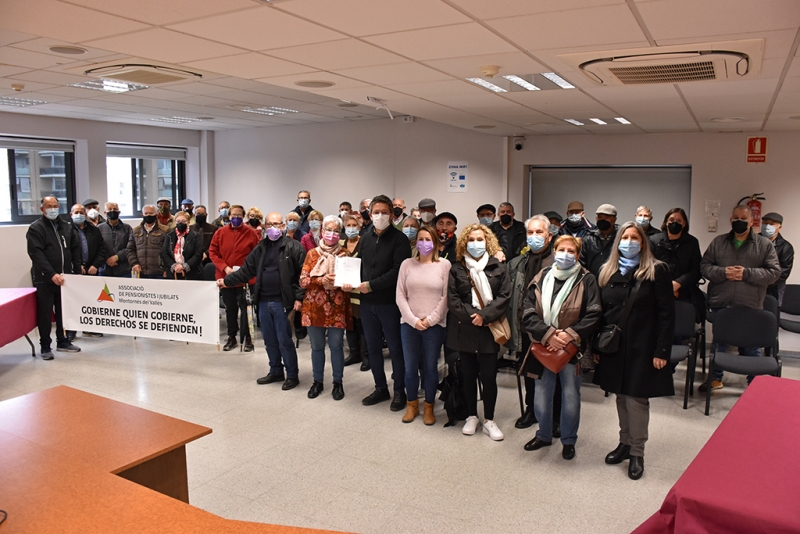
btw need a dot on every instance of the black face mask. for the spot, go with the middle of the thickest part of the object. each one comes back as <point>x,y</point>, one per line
<point>397,212</point>
<point>201,219</point>
<point>188,210</point>
<point>603,225</point>
<point>112,215</point>
<point>149,219</point>
<point>365,215</point>
<point>506,219</point>
<point>253,222</point>
<point>739,227</point>
<point>181,227</point>
<point>675,228</point>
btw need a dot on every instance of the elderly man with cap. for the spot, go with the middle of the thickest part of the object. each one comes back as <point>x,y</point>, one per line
<point>427,211</point>
<point>486,214</point>
<point>94,216</point>
<point>771,225</point>
<point>555,222</point>
<point>163,215</point>
<point>446,225</point>
<point>187,206</point>
<point>576,224</point>
<point>598,242</point>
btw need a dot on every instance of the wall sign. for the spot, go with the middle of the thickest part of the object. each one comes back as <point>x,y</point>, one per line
<point>756,150</point>
<point>457,177</point>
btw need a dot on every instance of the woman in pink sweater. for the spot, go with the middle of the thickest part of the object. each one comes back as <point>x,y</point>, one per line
<point>422,299</point>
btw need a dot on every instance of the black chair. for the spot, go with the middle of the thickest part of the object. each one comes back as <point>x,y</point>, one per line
<point>771,305</point>
<point>685,330</point>
<point>744,327</point>
<point>791,305</point>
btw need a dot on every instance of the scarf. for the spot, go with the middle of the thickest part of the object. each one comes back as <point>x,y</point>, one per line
<point>326,264</point>
<point>551,307</point>
<point>178,251</point>
<point>628,264</point>
<point>481,283</point>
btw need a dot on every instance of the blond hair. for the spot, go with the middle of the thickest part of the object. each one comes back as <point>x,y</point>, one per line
<point>492,246</point>
<point>257,212</point>
<point>577,241</point>
<point>183,214</point>
<point>647,262</point>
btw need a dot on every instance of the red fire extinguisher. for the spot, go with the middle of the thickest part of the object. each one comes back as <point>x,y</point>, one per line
<point>755,209</point>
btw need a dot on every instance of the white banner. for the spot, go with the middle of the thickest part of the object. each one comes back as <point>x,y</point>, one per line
<point>180,310</point>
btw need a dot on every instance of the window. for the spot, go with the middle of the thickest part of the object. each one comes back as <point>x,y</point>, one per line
<point>31,169</point>
<point>139,175</point>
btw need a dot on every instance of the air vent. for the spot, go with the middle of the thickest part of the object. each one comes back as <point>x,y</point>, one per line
<point>675,73</point>
<point>142,73</point>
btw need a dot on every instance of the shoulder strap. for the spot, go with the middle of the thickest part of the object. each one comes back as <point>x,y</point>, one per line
<point>629,304</point>
<point>472,283</point>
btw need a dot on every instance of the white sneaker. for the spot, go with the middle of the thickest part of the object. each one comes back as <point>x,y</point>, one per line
<point>491,430</point>
<point>470,426</point>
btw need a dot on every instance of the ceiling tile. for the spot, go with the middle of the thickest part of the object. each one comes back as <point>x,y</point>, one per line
<point>334,55</point>
<point>565,104</point>
<point>468,67</point>
<point>160,12</point>
<point>447,41</point>
<point>261,28</point>
<point>777,43</point>
<point>249,66</point>
<point>289,81</point>
<point>514,8</point>
<point>17,57</point>
<point>394,74</point>
<point>11,70</point>
<point>10,37</point>
<point>43,45</point>
<point>54,78</point>
<point>165,45</point>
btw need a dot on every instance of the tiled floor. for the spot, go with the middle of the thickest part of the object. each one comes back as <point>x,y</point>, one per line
<point>279,457</point>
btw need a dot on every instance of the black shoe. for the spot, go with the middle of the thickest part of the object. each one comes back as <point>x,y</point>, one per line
<point>290,383</point>
<point>618,455</point>
<point>527,420</point>
<point>67,347</point>
<point>47,354</point>
<point>636,467</point>
<point>248,345</point>
<point>556,429</point>
<point>71,336</point>
<point>230,344</point>
<point>399,401</point>
<point>338,391</point>
<point>379,395</point>
<point>352,358</point>
<point>270,378</point>
<point>316,389</point>
<point>536,444</point>
<point>365,365</point>
<point>568,452</point>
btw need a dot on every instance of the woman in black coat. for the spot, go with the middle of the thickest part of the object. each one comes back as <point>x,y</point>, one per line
<point>183,262</point>
<point>638,370</point>
<point>479,290</point>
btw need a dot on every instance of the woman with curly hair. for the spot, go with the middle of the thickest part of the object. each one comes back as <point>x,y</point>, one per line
<point>478,293</point>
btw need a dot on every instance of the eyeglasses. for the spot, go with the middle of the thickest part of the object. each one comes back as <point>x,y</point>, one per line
<point>273,225</point>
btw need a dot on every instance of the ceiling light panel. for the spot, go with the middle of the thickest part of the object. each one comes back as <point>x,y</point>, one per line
<point>176,120</point>
<point>19,102</point>
<point>558,80</point>
<point>622,120</point>
<point>487,85</point>
<point>525,84</point>
<point>573,121</point>
<point>598,121</point>
<point>270,111</point>
<point>109,86</point>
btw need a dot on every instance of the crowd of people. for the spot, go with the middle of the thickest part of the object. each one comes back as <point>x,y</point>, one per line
<point>549,290</point>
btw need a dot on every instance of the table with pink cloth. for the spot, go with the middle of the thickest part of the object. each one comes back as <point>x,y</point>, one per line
<point>17,314</point>
<point>747,477</point>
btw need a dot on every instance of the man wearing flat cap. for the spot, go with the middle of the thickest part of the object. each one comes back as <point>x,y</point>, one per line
<point>427,210</point>
<point>576,224</point>
<point>771,226</point>
<point>446,225</point>
<point>187,205</point>
<point>598,241</point>
<point>92,204</point>
<point>163,215</point>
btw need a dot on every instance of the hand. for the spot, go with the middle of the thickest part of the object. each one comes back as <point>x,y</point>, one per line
<point>347,288</point>
<point>58,279</point>
<point>420,325</point>
<point>329,278</point>
<point>178,268</point>
<point>500,256</point>
<point>92,270</point>
<point>363,288</point>
<point>676,287</point>
<point>735,272</point>
<point>477,320</point>
<point>205,256</point>
<point>559,339</point>
<point>658,363</point>
<point>298,305</point>
<point>220,283</point>
<point>83,269</point>
<point>596,358</point>
<point>426,323</point>
<point>112,261</point>
<point>228,270</point>
<point>136,268</point>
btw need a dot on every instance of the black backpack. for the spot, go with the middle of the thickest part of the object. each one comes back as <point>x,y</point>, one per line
<point>455,404</point>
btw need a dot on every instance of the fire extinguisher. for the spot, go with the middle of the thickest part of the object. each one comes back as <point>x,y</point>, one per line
<point>755,209</point>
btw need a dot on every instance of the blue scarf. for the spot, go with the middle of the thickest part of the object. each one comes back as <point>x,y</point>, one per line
<point>628,264</point>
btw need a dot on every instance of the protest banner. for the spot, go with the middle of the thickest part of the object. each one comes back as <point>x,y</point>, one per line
<point>179,310</point>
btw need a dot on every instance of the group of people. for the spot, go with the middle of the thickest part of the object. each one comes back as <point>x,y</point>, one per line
<point>544,288</point>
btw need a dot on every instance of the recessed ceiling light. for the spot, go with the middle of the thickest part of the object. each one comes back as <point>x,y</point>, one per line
<point>110,86</point>
<point>205,118</point>
<point>176,120</point>
<point>598,121</point>
<point>314,84</point>
<point>487,85</point>
<point>521,82</point>
<point>573,121</point>
<point>558,80</point>
<point>484,126</point>
<point>19,102</point>
<point>71,50</point>
<point>727,119</point>
<point>622,120</point>
<point>540,124</point>
<point>270,111</point>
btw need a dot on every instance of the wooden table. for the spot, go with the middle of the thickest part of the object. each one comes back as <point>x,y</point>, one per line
<point>18,313</point>
<point>61,450</point>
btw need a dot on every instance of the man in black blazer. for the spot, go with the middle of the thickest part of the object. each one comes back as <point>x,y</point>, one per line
<point>93,251</point>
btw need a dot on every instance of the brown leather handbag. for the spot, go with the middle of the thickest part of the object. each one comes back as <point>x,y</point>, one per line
<point>554,360</point>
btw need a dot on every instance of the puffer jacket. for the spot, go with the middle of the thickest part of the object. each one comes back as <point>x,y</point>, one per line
<point>144,248</point>
<point>517,272</point>
<point>757,255</point>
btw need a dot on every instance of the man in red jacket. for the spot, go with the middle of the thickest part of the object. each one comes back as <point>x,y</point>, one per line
<point>229,247</point>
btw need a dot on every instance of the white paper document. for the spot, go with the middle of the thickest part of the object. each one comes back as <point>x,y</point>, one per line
<point>347,271</point>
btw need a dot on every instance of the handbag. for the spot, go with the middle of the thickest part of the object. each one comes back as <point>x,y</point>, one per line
<point>556,360</point>
<point>607,338</point>
<point>500,329</point>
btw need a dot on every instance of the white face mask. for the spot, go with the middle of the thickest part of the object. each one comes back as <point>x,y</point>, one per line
<point>381,221</point>
<point>93,214</point>
<point>343,213</point>
<point>426,216</point>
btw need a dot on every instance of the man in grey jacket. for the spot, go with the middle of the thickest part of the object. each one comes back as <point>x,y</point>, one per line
<point>739,266</point>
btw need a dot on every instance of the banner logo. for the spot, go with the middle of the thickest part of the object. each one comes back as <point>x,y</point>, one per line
<point>105,295</point>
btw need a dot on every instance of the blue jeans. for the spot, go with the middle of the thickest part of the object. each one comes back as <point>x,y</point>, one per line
<point>377,320</point>
<point>277,334</point>
<point>570,379</point>
<point>716,374</point>
<point>316,334</point>
<point>425,345</point>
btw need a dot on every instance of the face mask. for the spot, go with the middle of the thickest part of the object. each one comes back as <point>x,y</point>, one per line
<point>314,225</point>
<point>201,219</point>
<point>575,218</point>
<point>164,210</point>
<point>554,229</point>
<point>51,213</point>
<point>303,202</point>
<point>253,222</point>
<point>343,213</point>
<point>426,216</point>
<point>445,237</point>
<point>674,228</point>
<point>411,232</point>
<point>425,247</point>
<point>739,226</point>
<point>93,214</point>
<point>223,212</point>
<point>644,221</point>
<point>273,233</point>
<point>486,221</point>
<point>112,215</point>
<point>292,225</point>
<point>365,215</point>
<point>381,221</point>
<point>506,219</point>
<point>236,221</point>
<point>351,232</point>
<point>187,209</point>
<point>181,227</point>
<point>768,230</point>
<point>536,242</point>
<point>330,238</point>
<point>476,249</point>
<point>603,225</point>
<point>564,260</point>
<point>78,218</point>
<point>149,219</point>
<point>629,249</point>
<point>397,212</point>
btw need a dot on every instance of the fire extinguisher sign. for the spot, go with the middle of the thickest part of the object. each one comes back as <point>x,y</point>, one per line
<point>756,150</point>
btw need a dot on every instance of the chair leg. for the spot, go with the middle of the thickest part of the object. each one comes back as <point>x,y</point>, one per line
<point>521,401</point>
<point>687,384</point>
<point>708,382</point>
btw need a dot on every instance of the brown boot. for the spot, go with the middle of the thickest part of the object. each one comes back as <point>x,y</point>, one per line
<point>412,411</point>
<point>428,417</point>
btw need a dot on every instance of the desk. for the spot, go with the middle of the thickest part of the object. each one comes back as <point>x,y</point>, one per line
<point>18,313</point>
<point>747,477</point>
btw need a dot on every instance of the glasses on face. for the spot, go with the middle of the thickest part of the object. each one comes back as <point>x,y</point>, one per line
<point>273,225</point>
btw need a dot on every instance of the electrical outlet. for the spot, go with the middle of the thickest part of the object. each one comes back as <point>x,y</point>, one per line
<point>409,118</point>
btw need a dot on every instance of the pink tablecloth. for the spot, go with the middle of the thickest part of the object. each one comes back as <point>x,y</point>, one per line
<point>747,477</point>
<point>17,313</point>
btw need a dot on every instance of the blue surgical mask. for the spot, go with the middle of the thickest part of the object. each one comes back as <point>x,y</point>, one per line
<point>78,218</point>
<point>51,213</point>
<point>768,230</point>
<point>351,232</point>
<point>536,242</point>
<point>303,202</point>
<point>314,225</point>
<point>223,212</point>
<point>554,229</point>
<point>644,221</point>
<point>292,225</point>
<point>476,249</point>
<point>564,260</point>
<point>411,232</point>
<point>575,218</point>
<point>486,221</point>
<point>629,249</point>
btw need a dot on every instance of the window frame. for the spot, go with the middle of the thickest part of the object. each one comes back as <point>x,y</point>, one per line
<point>69,177</point>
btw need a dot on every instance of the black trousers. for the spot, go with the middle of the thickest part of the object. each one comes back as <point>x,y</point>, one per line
<point>48,297</point>
<point>356,342</point>
<point>483,366</point>
<point>233,298</point>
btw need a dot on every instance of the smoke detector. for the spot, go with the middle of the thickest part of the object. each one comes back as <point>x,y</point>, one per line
<point>489,71</point>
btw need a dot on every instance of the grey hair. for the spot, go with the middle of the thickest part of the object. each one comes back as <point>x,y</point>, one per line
<point>645,208</point>
<point>333,219</point>
<point>647,261</point>
<point>541,218</point>
<point>149,206</point>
